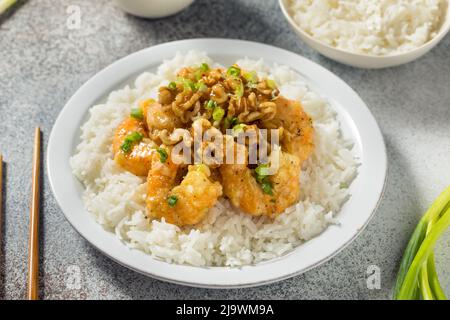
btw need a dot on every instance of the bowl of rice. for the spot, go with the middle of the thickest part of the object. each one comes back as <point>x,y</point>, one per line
<point>369,34</point>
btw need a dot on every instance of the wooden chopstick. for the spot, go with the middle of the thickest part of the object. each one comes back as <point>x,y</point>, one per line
<point>33,241</point>
<point>1,206</point>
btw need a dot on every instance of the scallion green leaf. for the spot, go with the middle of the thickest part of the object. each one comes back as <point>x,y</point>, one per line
<point>271,84</point>
<point>239,92</point>
<point>172,200</point>
<point>251,77</point>
<point>262,169</point>
<point>234,71</point>
<point>211,104</point>
<point>172,85</point>
<point>137,113</point>
<point>6,4</point>
<point>187,83</point>
<point>218,113</point>
<point>204,67</point>
<point>230,122</point>
<point>238,128</point>
<point>130,139</point>
<point>267,188</point>
<point>418,255</point>
<point>162,154</point>
<point>201,87</point>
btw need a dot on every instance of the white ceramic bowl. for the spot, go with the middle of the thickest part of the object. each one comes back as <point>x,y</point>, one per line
<point>366,60</point>
<point>357,124</point>
<point>152,8</point>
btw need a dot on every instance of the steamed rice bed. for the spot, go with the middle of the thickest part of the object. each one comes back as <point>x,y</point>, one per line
<point>116,198</point>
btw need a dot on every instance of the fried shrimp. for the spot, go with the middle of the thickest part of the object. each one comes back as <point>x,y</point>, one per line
<point>159,117</point>
<point>181,203</point>
<point>131,147</point>
<point>257,193</point>
<point>297,138</point>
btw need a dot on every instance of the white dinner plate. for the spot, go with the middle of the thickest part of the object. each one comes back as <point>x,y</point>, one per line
<point>357,124</point>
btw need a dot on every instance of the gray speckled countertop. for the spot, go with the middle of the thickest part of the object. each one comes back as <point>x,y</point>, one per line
<point>42,63</point>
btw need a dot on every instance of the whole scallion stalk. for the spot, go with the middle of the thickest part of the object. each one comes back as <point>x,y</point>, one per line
<point>5,5</point>
<point>417,275</point>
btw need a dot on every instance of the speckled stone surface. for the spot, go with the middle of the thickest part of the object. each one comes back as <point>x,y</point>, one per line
<point>42,63</point>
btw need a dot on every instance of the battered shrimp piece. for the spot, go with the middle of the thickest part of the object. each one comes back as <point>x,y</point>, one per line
<point>242,188</point>
<point>185,203</point>
<point>138,159</point>
<point>297,138</point>
<point>159,117</point>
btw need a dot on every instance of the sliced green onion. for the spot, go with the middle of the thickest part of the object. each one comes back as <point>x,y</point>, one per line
<point>239,128</point>
<point>187,84</point>
<point>239,92</point>
<point>211,104</point>
<point>234,71</point>
<point>200,86</point>
<point>204,67</point>
<point>218,113</point>
<point>262,177</point>
<point>137,113</point>
<point>129,140</point>
<point>251,77</point>
<point>162,154</point>
<point>230,122</point>
<point>271,84</point>
<point>172,201</point>
<point>267,188</point>
<point>172,85</point>
<point>262,169</point>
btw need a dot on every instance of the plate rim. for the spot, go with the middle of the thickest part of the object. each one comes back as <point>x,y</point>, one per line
<point>53,136</point>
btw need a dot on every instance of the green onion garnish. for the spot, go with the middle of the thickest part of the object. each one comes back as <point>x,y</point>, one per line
<point>162,154</point>
<point>211,104</point>
<point>200,86</point>
<point>234,71</point>
<point>271,84</point>
<point>137,113</point>
<point>230,122</point>
<point>187,84</point>
<point>251,77</point>
<point>262,173</point>
<point>172,201</point>
<point>218,113</point>
<point>204,67</point>
<point>239,90</point>
<point>129,140</point>
<point>262,169</point>
<point>172,86</point>
<point>267,188</point>
<point>239,128</point>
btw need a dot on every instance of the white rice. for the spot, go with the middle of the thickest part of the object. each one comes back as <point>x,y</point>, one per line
<point>116,198</point>
<point>377,27</point>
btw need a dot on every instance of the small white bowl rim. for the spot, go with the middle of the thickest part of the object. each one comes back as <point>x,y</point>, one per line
<point>444,29</point>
